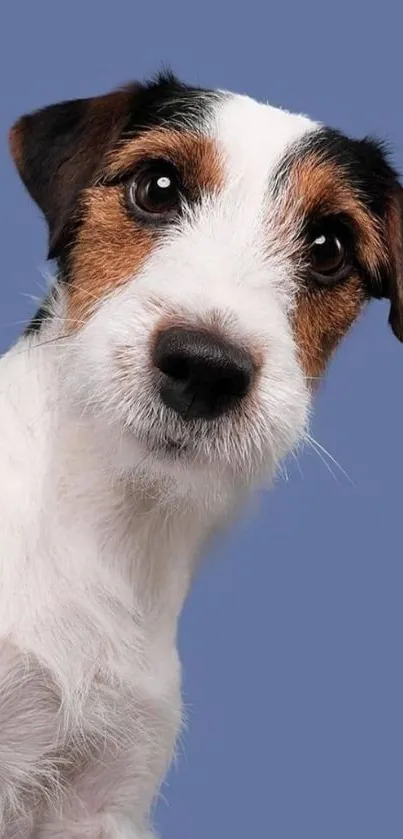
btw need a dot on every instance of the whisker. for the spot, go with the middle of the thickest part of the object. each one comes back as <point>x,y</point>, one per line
<point>38,346</point>
<point>333,460</point>
<point>294,457</point>
<point>74,321</point>
<point>320,455</point>
<point>82,290</point>
<point>32,297</point>
<point>65,319</point>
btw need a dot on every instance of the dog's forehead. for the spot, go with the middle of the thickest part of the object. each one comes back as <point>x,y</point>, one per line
<point>256,135</point>
<point>251,136</point>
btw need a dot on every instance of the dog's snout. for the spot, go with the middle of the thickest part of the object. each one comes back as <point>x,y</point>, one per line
<point>203,376</point>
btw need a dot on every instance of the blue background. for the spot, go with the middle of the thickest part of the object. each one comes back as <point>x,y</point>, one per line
<point>292,637</point>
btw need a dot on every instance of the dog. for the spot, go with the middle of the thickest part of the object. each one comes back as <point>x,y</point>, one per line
<point>211,253</point>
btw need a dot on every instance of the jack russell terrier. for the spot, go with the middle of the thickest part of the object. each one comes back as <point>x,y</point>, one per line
<point>211,253</point>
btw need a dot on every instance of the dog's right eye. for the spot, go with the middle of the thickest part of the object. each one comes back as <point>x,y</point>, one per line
<point>156,190</point>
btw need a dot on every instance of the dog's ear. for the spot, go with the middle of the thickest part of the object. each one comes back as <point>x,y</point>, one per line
<point>393,280</point>
<point>58,151</point>
<point>380,187</point>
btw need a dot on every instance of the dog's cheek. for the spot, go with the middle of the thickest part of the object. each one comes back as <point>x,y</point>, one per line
<point>322,318</point>
<point>109,250</point>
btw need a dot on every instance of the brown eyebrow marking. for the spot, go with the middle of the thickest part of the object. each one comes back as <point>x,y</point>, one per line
<point>315,185</point>
<point>195,156</point>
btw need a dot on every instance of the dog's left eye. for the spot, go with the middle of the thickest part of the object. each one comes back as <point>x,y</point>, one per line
<point>155,190</point>
<point>330,252</point>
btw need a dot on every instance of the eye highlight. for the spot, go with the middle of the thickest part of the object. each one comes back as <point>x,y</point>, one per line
<point>330,251</point>
<point>155,190</point>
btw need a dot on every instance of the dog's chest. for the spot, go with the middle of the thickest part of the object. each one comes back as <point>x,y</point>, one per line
<point>121,751</point>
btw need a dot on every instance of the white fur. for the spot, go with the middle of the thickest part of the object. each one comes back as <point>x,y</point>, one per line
<point>100,530</point>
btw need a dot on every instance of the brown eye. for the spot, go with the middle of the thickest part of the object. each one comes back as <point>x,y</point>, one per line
<point>156,190</point>
<point>329,255</point>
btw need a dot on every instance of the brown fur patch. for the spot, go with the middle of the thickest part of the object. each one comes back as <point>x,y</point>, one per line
<point>322,317</point>
<point>318,185</point>
<point>195,156</point>
<point>110,247</point>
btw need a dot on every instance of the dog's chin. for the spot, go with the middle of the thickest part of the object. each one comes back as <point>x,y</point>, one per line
<point>185,459</point>
<point>172,470</point>
<point>140,451</point>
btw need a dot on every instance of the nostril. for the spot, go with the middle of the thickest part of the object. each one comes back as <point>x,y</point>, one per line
<point>171,354</point>
<point>174,365</point>
<point>236,383</point>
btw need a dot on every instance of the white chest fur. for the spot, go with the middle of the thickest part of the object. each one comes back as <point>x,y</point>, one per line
<point>93,574</point>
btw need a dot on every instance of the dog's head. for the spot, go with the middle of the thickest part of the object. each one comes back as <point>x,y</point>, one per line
<point>212,253</point>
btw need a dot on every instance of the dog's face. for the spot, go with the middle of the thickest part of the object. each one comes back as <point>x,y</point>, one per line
<point>213,251</point>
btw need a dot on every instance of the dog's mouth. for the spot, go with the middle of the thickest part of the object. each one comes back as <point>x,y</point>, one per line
<point>174,447</point>
<point>168,447</point>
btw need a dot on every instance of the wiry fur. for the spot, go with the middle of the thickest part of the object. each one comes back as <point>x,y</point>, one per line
<point>100,528</point>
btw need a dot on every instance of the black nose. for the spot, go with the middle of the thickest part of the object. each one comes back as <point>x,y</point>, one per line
<point>204,376</point>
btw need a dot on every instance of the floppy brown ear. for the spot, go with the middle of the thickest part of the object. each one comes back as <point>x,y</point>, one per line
<point>394,279</point>
<point>58,150</point>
